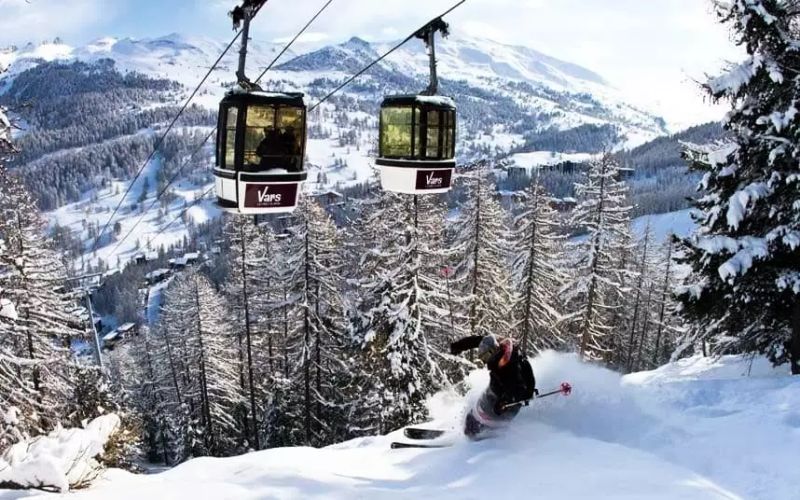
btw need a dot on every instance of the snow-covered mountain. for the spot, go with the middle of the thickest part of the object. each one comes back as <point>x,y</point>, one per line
<point>539,83</point>
<point>507,97</point>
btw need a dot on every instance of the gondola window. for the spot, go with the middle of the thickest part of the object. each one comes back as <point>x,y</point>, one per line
<point>396,133</point>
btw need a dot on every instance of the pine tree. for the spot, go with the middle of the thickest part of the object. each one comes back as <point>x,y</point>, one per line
<point>400,362</point>
<point>194,321</point>
<point>6,148</point>
<point>482,241</point>
<point>666,320</point>
<point>743,294</point>
<point>150,401</point>
<point>641,289</point>
<point>537,248</point>
<point>249,288</point>
<point>595,284</point>
<point>35,367</point>
<point>313,266</point>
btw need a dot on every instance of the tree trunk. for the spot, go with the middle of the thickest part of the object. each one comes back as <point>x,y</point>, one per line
<point>646,326</point>
<point>285,333</point>
<point>306,348</point>
<point>172,369</point>
<point>28,334</point>
<point>642,269</point>
<point>590,295</point>
<point>205,404</point>
<point>475,272</point>
<point>662,311</point>
<point>318,355</point>
<point>249,341</point>
<point>794,343</point>
<point>529,285</point>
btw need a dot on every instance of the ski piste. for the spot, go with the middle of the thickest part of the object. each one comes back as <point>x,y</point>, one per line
<point>422,435</point>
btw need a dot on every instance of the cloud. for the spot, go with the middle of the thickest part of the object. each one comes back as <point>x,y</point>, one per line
<point>33,20</point>
<point>307,37</point>
<point>650,50</point>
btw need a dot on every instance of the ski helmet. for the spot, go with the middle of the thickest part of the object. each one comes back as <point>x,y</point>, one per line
<point>488,348</point>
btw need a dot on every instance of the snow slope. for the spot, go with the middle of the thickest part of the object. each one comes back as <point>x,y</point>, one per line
<point>147,230</point>
<point>519,81</point>
<point>663,226</point>
<point>695,429</point>
<point>536,159</point>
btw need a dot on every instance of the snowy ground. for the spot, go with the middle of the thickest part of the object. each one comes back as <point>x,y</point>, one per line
<point>537,159</point>
<point>696,429</point>
<point>663,226</point>
<point>145,227</point>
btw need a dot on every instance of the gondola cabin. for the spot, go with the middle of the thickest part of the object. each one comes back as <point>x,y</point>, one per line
<point>261,140</point>
<point>416,152</point>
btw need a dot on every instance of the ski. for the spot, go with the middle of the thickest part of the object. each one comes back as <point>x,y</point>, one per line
<point>397,445</point>
<point>417,433</point>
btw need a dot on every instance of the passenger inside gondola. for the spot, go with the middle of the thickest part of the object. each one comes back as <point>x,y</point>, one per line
<point>289,142</point>
<point>279,149</point>
<point>270,145</point>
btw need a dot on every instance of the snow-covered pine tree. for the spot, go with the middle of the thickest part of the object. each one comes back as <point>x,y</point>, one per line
<point>196,316</point>
<point>641,288</point>
<point>661,325</point>
<point>666,322</point>
<point>10,432</point>
<point>443,310</point>
<point>35,368</point>
<point>603,215</point>
<point>621,303</point>
<point>482,272</point>
<point>399,362</point>
<point>314,262</point>
<point>168,371</point>
<point>215,346</point>
<point>250,289</point>
<point>283,421</point>
<point>149,400</point>
<point>744,292</point>
<point>537,249</point>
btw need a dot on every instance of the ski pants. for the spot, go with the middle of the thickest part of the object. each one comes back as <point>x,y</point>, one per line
<point>482,416</point>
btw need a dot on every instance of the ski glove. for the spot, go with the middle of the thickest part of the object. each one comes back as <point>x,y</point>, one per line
<point>499,408</point>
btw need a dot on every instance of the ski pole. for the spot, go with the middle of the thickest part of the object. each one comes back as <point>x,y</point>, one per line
<point>565,389</point>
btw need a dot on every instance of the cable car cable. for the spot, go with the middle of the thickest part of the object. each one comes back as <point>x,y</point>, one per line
<point>177,174</point>
<point>384,56</point>
<point>181,214</point>
<point>328,96</point>
<point>214,130</point>
<point>164,135</point>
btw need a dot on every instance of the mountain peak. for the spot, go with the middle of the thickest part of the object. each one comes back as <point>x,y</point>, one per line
<point>357,43</point>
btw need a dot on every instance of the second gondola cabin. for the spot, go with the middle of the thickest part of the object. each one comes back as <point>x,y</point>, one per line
<point>261,140</point>
<point>416,152</point>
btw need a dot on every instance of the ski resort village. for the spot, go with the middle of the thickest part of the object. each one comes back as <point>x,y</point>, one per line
<point>457,249</point>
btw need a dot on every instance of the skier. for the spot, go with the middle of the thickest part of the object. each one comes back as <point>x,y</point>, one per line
<point>512,384</point>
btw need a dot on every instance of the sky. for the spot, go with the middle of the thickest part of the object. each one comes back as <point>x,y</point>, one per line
<point>653,51</point>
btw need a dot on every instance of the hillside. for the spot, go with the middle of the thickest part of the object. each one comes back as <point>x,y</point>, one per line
<point>695,429</point>
<point>85,137</point>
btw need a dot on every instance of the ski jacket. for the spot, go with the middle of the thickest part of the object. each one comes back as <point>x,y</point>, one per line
<point>511,375</point>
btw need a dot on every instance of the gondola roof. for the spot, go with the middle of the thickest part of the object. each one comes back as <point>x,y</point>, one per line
<point>438,101</point>
<point>262,97</point>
